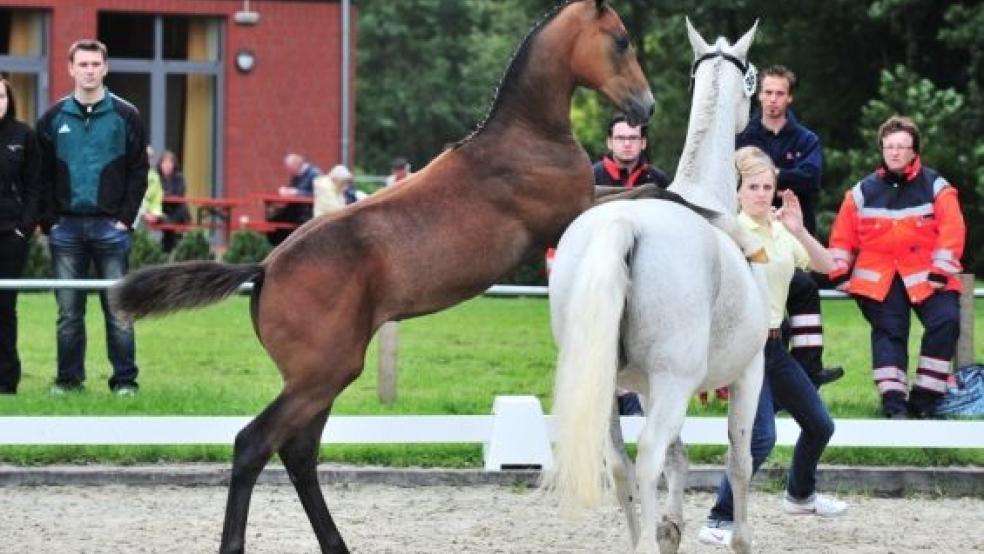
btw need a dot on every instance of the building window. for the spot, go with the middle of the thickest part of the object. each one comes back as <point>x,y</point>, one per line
<point>23,57</point>
<point>169,67</point>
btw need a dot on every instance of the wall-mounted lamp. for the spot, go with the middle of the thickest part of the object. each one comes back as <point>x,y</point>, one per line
<point>245,60</point>
<point>246,16</point>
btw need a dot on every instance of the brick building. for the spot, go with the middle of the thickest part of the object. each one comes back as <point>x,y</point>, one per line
<point>228,93</point>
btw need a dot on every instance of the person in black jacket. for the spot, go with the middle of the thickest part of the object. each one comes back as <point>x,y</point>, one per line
<point>94,175</point>
<point>19,194</point>
<point>626,164</point>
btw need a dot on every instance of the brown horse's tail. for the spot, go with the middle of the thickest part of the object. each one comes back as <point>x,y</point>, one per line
<point>169,288</point>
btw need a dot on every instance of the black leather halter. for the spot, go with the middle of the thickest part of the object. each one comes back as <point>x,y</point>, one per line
<point>747,70</point>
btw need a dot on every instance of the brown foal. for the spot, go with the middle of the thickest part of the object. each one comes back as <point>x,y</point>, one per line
<point>445,234</point>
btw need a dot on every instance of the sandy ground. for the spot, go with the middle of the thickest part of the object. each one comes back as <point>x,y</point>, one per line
<point>441,519</point>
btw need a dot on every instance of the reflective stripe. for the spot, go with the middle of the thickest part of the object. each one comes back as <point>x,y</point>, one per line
<point>888,372</point>
<point>935,364</point>
<point>944,254</point>
<point>858,196</point>
<point>887,386</point>
<point>805,320</point>
<point>915,279</point>
<point>804,341</point>
<point>938,185</point>
<point>946,260</point>
<point>947,267</point>
<point>866,274</point>
<point>930,382</point>
<point>885,213</point>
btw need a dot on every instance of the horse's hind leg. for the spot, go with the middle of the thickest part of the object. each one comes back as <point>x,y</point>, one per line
<point>665,416</point>
<point>300,457</point>
<point>743,404</point>
<point>255,443</point>
<point>625,477</point>
<point>670,530</point>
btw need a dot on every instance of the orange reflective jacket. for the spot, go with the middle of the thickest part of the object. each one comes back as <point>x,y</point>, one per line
<point>909,224</point>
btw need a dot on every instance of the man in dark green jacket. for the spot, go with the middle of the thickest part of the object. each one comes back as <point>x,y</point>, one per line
<point>94,175</point>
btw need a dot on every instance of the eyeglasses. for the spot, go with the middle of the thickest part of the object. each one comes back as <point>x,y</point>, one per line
<point>891,147</point>
<point>621,138</point>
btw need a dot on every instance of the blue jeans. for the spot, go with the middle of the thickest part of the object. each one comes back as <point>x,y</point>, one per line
<point>785,387</point>
<point>76,243</point>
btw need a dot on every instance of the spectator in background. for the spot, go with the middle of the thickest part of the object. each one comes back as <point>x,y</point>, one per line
<point>20,166</point>
<point>798,158</point>
<point>334,191</point>
<point>94,176</point>
<point>301,174</point>
<point>152,208</point>
<point>173,185</point>
<point>400,168</point>
<point>626,164</point>
<point>897,242</point>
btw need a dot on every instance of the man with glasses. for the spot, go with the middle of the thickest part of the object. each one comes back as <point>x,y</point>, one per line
<point>798,157</point>
<point>897,243</point>
<point>626,164</point>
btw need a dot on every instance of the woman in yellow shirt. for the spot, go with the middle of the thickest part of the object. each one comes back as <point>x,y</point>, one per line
<point>786,385</point>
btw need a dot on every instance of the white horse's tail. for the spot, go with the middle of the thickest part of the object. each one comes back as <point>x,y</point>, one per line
<point>587,361</point>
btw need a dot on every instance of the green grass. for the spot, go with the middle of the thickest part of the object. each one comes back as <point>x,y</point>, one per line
<point>208,362</point>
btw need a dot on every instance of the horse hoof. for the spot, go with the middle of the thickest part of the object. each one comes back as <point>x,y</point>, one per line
<point>668,536</point>
<point>758,257</point>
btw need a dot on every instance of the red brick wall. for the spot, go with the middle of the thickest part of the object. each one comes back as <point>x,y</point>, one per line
<point>289,102</point>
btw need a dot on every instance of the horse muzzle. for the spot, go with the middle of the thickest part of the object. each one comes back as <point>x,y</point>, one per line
<point>639,107</point>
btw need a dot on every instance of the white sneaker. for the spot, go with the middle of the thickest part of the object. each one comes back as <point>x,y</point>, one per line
<point>818,504</point>
<point>716,533</point>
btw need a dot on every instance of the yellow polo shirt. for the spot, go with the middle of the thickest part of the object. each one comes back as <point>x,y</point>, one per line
<point>785,254</point>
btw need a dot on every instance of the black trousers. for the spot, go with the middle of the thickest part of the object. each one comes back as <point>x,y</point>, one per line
<point>803,331</point>
<point>13,258</point>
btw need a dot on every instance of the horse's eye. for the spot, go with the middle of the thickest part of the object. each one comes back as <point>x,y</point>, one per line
<point>622,43</point>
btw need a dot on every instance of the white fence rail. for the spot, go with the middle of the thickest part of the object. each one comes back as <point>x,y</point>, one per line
<point>516,434</point>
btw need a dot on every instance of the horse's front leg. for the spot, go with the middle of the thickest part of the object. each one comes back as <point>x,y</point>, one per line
<point>623,471</point>
<point>664,419</point>
<point>670,530</point>
<point>743,403</point>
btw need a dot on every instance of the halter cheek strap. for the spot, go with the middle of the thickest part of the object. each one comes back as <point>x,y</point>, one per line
<point>748,71</point>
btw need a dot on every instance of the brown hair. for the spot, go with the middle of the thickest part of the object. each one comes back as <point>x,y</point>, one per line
<point>782,72</point>
<point>88,44</point>
<point>898,123</point>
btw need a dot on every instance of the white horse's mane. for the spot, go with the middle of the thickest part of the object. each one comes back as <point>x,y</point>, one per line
<point>703,176</point>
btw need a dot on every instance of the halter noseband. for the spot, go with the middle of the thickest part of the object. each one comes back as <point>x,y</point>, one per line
<point>748,71</point>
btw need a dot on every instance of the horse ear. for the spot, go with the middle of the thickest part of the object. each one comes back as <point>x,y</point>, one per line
<point>745,42</point>
<point>697,42</point>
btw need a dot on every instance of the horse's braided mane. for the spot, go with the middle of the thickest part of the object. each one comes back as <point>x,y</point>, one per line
<point>516,64</point>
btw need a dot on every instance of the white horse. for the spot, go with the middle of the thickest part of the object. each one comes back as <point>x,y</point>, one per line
<point>651,291</point>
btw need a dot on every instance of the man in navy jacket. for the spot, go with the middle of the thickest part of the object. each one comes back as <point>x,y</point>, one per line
<point>798,157</point>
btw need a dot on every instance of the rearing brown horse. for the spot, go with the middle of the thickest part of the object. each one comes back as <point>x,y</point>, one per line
<point>507,191</point>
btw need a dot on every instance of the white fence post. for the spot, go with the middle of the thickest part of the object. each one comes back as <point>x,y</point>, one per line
<point>519,436</point>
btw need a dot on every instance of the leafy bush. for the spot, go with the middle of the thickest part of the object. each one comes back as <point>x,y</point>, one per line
<point>192,246</point>
<point>38,259</point>
<point>532,274</point>
<point>247,247</point>
<point>144,250</point>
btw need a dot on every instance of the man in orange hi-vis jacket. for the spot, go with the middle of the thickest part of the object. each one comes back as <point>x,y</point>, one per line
<point>897,242</point>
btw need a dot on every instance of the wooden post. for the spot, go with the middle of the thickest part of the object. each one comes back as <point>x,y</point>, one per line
<point>388,347</point>
<point>965,344</point>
